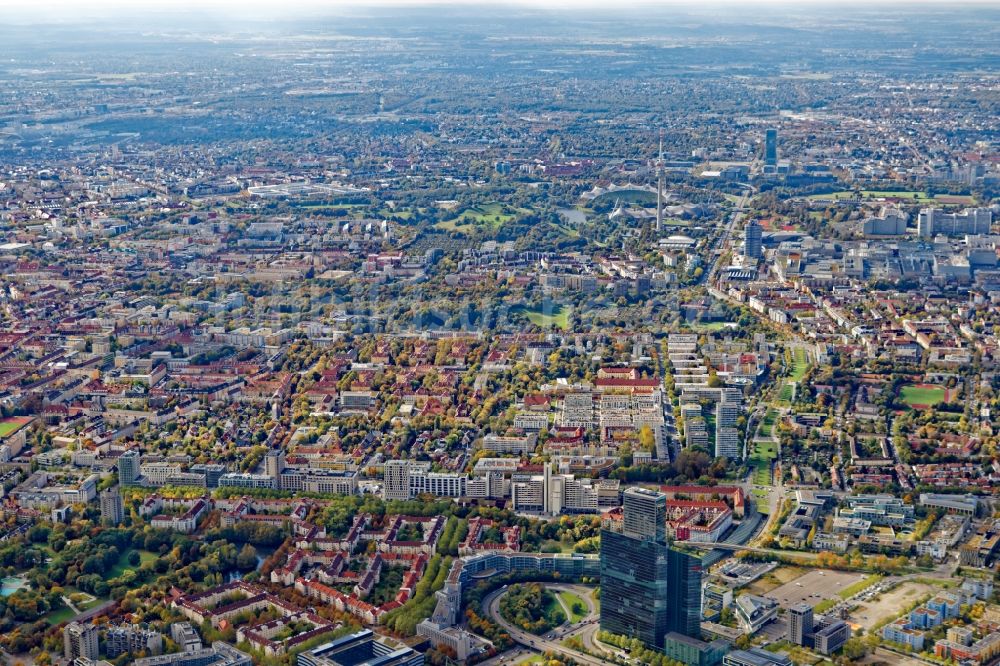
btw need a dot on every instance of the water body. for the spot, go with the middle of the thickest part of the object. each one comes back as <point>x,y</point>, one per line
<point>12,584</point>
<point>263,553</point>
<point>572,215</point>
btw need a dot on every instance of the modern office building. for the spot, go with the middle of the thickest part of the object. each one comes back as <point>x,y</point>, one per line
<point>753,240</point>
<point>771,147</point>
<point>694,652</point>
<point>80,640</point>
<point>634,587</point>
<point>128,467</point>
<point>830,636</point>
<point>112,507</point>
<point>800,622</point>
<point>359,649</point>
<point>756,657</point>
<point>684,569</point>
<point>647,588</point>
<point>211,471</point>
<point>971,221</point>
<point>220,654</point>
<point>645,514</point>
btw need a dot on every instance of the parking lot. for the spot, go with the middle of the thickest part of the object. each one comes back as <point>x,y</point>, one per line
<point>814,587</point>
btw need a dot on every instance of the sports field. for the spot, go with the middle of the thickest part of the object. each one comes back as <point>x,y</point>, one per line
<point>923,396</point>
<point>558,317</point>
<point>9,426</point>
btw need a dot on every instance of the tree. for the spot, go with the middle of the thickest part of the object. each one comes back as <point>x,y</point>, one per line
<point>246,560</point>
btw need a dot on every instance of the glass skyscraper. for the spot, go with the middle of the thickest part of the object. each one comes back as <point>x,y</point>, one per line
<point>647,587</point>
<point>684,591</point>
<point>771,147</point>
<point>645,514</point>
<point>634,587</point>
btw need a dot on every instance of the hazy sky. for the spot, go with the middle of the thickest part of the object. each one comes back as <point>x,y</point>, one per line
<point>140,13</point>
<point>83,7</point>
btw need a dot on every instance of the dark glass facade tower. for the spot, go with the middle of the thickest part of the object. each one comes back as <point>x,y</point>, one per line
<point>647,587</point>
<point>771,147</point>
<point>684,592</point>
<point>634,588</point>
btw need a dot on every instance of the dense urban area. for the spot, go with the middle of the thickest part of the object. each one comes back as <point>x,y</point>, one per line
<point>502,336</point>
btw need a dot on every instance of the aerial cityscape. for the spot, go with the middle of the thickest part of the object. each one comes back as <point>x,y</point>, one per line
<point>514,335</point>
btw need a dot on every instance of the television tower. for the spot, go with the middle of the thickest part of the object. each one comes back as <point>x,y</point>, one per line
<point>659,187</point>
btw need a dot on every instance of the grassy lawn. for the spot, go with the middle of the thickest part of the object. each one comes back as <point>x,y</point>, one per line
<point>825,605</point>
<point>122,565</point>
<point>84,600</point>
<point>61,614</point>
<point>492,215</point>
<point>923,395</point>
<point>767,423</point>
<point>796,373</point>
<point>761,498</point>
<point>798,654</point>
<point>800,365</point>
<point>576,606</point>
<point>533,659</point>
<point>708,327</point>
<point>763,453</point>
<point>774,579</point>
<point>558,318</point>
<point>569,232</point>
<point>861,585</point>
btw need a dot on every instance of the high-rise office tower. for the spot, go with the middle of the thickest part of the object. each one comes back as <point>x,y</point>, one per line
<point>647,588</point>
<point>634,587</point>
<point>800,620</point>
<point>659,187</point>
<point>684,591</point>
<point>128,467</point>
<point>112,507</point>
<point>753,240</point>
<point>645,514</point>
<point>771,147</point>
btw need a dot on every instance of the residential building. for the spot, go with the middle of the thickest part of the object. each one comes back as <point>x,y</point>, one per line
<point>132,639</point>
<point>112,507</point>
<point>129,467</point>
<point>80,640</point>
